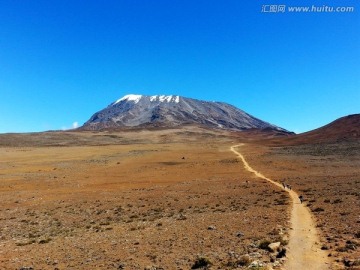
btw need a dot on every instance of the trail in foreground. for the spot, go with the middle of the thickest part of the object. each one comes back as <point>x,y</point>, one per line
<point>303,250</point>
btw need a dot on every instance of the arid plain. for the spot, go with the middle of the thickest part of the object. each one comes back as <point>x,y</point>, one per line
<point>169,199</point>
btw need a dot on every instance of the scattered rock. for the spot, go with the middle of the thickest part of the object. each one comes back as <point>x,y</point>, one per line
<point>231,254</point>
<point>239,234</point>
<point>182,217</point>
<point>256,264</point>
<point>211,228</point>
<point>256,255</point>
<point>244,260</point>
<point>122,266</point>
<point>273,247</point>
<point>276,264</point>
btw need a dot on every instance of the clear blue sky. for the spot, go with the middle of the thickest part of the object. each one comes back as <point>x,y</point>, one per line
<point>63,60</point>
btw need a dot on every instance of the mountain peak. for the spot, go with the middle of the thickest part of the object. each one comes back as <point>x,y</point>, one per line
<point>171,111</point>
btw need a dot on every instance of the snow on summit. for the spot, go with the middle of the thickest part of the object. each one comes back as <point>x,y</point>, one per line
<point>135,98</point>
<point>164,98</point>
<point>157,98</point>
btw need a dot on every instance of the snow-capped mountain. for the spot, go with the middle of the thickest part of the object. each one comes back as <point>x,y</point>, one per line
<point>172,111</point>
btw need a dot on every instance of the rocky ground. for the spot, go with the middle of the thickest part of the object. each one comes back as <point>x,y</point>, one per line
<point>170,200</point>
<point>327,175</point>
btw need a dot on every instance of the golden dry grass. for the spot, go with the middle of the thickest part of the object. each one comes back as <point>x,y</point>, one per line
<point>100,200</point>
<point>139,199</point>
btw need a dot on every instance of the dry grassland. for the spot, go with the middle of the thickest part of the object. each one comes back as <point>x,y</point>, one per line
<point>132,200</point>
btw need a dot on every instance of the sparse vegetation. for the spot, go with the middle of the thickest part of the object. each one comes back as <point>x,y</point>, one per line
<point>318,209</point>
<point>264,244</point>
<point>45,241</point>
<point>244,260</point>
<point>201,262</point>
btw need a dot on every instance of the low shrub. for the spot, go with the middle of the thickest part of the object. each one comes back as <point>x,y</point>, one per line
<point>201,262</point>
<point>244,260</point>
<point>264,244</point>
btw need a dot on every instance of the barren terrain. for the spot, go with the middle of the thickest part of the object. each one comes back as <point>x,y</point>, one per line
<point>163,204</point>
<point>327,175</point>
<point>168,199</point>
<point>304,250</point>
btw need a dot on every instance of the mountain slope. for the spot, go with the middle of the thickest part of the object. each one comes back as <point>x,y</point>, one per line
<point>172,111</point>
<point>344,128</point>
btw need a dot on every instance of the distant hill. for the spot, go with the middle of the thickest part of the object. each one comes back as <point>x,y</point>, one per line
<point>343,129</point>
<point>174,111</point>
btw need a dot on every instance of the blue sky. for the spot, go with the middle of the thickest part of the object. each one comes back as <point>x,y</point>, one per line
<point>61,61</point>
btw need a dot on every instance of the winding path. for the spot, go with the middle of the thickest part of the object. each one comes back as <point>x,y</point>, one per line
<point>304,252</point>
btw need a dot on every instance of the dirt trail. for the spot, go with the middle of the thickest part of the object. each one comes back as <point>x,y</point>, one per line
<point>303,250</point>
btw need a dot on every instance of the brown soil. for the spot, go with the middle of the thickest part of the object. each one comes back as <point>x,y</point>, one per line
<point>327,175</point>
<point>304,249</point>
<point>101,200</point>
<point>164,201</point>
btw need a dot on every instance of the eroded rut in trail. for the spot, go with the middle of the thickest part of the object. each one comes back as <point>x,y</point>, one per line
<point>303,249</point>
